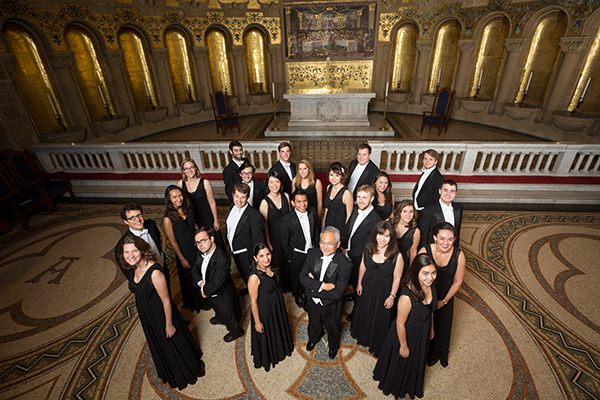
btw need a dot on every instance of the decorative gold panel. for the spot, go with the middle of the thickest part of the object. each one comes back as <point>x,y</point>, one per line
<point>445,53</point>
<point>257,61</point>
<point>403,61</point>
<point>180,65</point>
<point>218,62</point>
<point>541,58</point>
<point>489,58</point>
<point>89,72</point>
<point>589,72</point>
<point>137,68</point>
<point>32,78</point>
<point>341,75</point>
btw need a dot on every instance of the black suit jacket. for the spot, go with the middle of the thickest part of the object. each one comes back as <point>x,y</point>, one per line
<point>260,192</point>
<point>154,234</point>
<point>249,231</point>
<point>430,192</point>
<point>432,215</point>
<point>338,273</point>
<point>291,235</point>
<point>367,176</point>
<point>362,235</point>
<point>285,178</point>
<point>218,279</point>
<point>231,177</point>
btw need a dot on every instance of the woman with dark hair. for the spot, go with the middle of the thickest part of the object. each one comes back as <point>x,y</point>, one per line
<point>180,229</point>
<point>200,192</point>
<point>338,201</point>
<point>274,206</point>
<point>384,199</point>
<point>305,179</point>
<point>176,356</point>
<point>378,282</point>
<point>450,263</point>
<point>401,368</point>
<point>407,233</point>
<point>271,336</point>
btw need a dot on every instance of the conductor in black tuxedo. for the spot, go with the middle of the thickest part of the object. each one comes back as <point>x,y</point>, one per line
<point>211,273</point>
<point>325,277</point>
<point>231,173</point>
<point>285,167</point>
<point>426,191</point>
<point>245,228</point>
<point>298,232</point>
<point>362,170</point>
<point>445,209</point>
<point>358,229</point>
<point>146,229</point>
<point>258,189</point>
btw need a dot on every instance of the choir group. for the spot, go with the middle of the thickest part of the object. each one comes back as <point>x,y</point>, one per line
<point>290,235</point>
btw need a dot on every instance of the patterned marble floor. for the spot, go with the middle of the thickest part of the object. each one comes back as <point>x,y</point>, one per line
<point>526,324</point>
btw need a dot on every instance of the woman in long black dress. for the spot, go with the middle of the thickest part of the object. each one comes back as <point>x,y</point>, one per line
<point>378,282</point>
<point>401,367</point>
<point>407,233</point>
<point>176,356</point>
<point>338,201</point>
<point>271,336</point>
<point>274,206</point>
<point>384,199</point>
<point>180,229</point>
<point>200,192</point>
<point>450,263</point>
<point>305,179</point>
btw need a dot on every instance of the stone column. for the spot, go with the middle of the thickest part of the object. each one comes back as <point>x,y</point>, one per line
<point>510,72</point>
<point>119,88</point>
<point>422,64</point>
<point>18,130</point>
<point>277,72</point>
<point>69,90</point>
<point>566,75</point>
<point>202,75</point>
<point>239,73</point>
<point>381,69</point>
<point>163,80</point>
<point>464,67</point>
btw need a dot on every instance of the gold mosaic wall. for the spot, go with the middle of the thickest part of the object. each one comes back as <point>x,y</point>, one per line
<point>347,75</point>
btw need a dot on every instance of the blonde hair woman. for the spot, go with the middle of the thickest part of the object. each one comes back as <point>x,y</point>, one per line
<point>305,179</point>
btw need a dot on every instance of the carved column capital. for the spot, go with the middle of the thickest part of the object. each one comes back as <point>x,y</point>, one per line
<point>467,46</point>
<point>7,60</point>
<point>159,55</point>
<point>112,57</point>
<point>388,47</point>
<point>573,45</point>
<point>424,46</point>
<point>238,51</point>
<point>200,52</point>
<point>61,60</point>
<point>516,45</point>
<point>272,51</point>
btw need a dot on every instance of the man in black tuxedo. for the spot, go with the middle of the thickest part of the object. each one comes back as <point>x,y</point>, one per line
<point>362,170</point>
<point>325,277</point>
<point>146,229</point>
<point>211,273</point>
<point>231,173</point>
<point>298,232</point>
<point>357,231</point>
<point>285,167</point>
<point>426,191</point>
<point>258,189</point>
<point>445,209</point>
<point>245,228</point>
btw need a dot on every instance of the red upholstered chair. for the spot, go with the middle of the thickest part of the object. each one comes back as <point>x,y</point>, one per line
<point>223,117</point>
<point>440,112</point>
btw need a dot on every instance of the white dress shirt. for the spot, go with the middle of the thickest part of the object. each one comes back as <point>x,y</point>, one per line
<point>205,260</point>
<point>305,224</point>
<point>422,179</point>
<point>448,212</point>
<point>238,163</point>
<point>359,220</point>
<point>232,222</point>
<point>326,261</point>
<point>356,176</point>
<point>288,168</point>
<point>145,236</point>
<point>251,195</point>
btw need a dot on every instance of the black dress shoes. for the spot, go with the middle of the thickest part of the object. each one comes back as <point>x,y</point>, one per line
<point>349,317</point>
<point>216,321</point>
<point>230,338</point>
<point>310,346</point>
<point>349,297</point>
<point>243,292</point>
<point>332,354</point>
<point>300,301</point>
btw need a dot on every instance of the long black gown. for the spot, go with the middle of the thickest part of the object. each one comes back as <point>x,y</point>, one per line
<point>202,212</point>
<point>275,343</point>
<point>336,209</point>
<point>184,235</point>
<point>370,319</point>
<point>398,375</point>
<point>404,244</point>
<point>311,196</point>
<point>384,211</point>
<point>274,214</point>
<point>177,359</point>
<point>442,325</point>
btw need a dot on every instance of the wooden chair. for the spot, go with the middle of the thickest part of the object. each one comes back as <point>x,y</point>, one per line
<point>223,117</point>
<point>440,112</point>
<point>21,202</point>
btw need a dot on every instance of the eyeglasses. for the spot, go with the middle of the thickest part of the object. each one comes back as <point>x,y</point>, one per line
<point>246,173</point>
<point>139,216</point>
<point>202,241</point>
